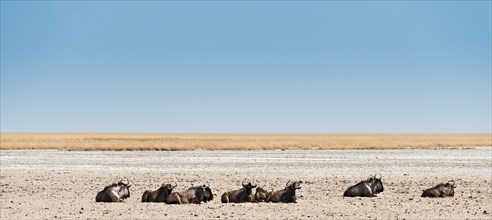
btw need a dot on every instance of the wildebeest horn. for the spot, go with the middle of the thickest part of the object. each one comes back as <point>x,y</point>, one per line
<point>375,176</point>
<point>244,184</point>
<point>287,184</point>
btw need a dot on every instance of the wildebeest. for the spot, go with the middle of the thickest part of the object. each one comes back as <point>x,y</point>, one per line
<point>440,190</point>
<point>261,195</point>
<point>159,195</point>
<point>116,192</point>
<point>285,195</point>
<point>195,194</point>
<point>366,188</point>
<point>244,194</point>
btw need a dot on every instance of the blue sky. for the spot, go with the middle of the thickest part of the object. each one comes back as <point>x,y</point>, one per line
<point>247,66</point>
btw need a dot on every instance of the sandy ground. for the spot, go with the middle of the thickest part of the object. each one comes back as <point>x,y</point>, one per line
<point>44,184</point>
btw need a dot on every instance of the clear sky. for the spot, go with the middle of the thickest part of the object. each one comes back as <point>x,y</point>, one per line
<point>246,66</point>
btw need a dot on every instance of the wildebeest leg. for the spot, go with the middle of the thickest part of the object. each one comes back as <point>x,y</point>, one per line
<point>224,198</point>
<point>114,196</point>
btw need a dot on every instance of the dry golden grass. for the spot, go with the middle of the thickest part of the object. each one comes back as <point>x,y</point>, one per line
<point>127,141</point>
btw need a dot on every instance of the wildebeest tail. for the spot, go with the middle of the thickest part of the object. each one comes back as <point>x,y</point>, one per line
<point>224,198</point>
<point>145,195</point>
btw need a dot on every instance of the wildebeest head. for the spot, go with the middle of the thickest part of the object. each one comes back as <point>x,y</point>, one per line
<point>376,184</point>
<point>208,195</point>
<point>203,193</point>
<point>293,186</point>
<point>124,189</point>
<point>249,188</point>
<point>169,187</point>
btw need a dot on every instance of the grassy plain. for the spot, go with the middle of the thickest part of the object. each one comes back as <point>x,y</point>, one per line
<point>141,141</point>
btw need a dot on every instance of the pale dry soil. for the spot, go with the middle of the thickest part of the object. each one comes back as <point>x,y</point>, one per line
<point>48,184</point>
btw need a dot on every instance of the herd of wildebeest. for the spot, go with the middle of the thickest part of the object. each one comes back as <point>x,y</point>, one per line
<point>118,192</point>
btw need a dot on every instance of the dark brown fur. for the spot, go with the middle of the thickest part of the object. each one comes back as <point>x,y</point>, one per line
<point>366,188</point>
<point>286,195</point>
<point>440,190</point>
<point>261,195</point>
<point>116,192</point>
<point>159,195</point>
<point>195,194</point>
<point>244,194</point>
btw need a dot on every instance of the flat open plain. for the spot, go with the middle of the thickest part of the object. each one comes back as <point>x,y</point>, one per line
<point>50,184</point>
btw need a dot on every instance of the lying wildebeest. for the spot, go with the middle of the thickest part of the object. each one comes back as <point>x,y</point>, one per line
<point>244,194</point>
<point>440,190</point>
<point>195,194</point>
<point>261,195</point>
<point>159,195</point>
<point>367,188</point>
<point>285,195</point>
<point>116,192</point>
